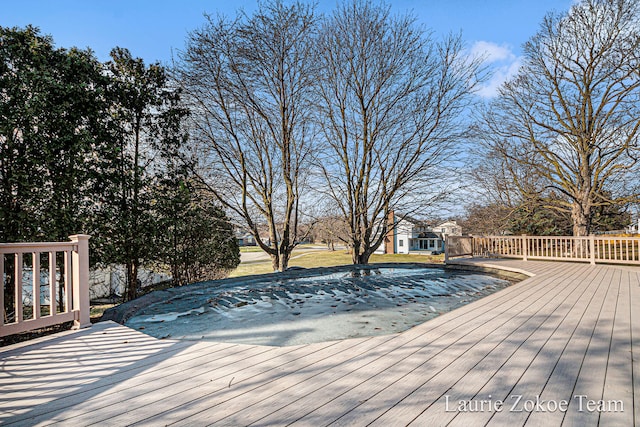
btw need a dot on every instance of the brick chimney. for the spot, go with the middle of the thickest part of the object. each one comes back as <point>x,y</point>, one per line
<point>389,239</point>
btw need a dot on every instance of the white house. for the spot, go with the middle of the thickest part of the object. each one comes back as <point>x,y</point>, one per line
<point>449,228</point>
<point>411,235</point>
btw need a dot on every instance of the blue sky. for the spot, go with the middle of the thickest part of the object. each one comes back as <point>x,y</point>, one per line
<point>151,29</point>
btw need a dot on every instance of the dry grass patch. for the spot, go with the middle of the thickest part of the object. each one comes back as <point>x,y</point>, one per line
<point>323,258</point>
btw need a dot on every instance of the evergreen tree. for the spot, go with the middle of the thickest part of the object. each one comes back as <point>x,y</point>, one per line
<point>196,240</point>
<point>52,114</point>
<point>145,119</point>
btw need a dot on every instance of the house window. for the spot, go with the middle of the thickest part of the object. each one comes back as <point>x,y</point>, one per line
<point>401,243</point>
<point>432,244</point>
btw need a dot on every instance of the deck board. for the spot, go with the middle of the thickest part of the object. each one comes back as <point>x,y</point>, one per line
<point>570,329</point>
<point>156,381</point>
<point>504,366</point>
<point>252,388</point>
<point>591,378</point>
<point>619,375</point>
<point>403,379</point>
<point>523,323</point>
<point>562,378</point>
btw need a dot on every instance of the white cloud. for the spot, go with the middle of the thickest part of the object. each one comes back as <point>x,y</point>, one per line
<point>502,63</point>
<point>500,74</point>
<point>492,52</point>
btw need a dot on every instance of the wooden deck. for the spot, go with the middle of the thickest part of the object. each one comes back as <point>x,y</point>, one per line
<point>571,330</point>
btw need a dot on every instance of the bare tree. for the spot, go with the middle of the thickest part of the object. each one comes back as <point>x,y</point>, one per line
<point>249,83</point>
<point>491,219</point>
<point>508,193</point>
<point>332,229</point>
<point>390,102</point>
<point>572,114</point>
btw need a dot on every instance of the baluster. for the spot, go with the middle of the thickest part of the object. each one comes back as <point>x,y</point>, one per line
<point>626,250</point>
<point>2,308</point>
<point>18,290</point>
<point>67,281</point>
<point>52,283</point>
<point>35,269</point>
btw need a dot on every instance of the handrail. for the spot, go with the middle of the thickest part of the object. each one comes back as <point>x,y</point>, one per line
<point>8,248</point>
<point>592,249</point>
<point>56,292</point>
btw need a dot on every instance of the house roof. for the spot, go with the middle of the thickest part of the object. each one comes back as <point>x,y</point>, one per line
<point>448,223</point>
<point>412,220</point>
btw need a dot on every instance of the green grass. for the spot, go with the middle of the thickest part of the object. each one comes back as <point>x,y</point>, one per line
<point>258,249</point>
<point>250,249</point>
<point>252,268</point>
<point>97,310</point>
<point>330,259</point>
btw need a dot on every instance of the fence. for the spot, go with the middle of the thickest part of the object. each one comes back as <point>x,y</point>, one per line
<point>592,249</point>
<point>458,246</point>
<point>44,284</point>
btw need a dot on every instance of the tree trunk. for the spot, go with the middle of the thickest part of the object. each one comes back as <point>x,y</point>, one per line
<point>363,258</point>
<point>132,281</point>
<point>581,217</point>
<point>355,252</point>
<point>275,262</point>
<point>62,304</point>
<point>284,260</point>
<point>280,262</point>
<point>360,254</point>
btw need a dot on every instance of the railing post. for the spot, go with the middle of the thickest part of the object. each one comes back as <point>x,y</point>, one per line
<point>525,247</point>
<point>80,266</point>
<point>592,249</point>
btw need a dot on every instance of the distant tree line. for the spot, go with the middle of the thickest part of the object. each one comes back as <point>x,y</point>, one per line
<point>87,147</point>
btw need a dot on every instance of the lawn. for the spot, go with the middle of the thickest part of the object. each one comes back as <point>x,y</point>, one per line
<point>330,259</point>
<point>250,249</point>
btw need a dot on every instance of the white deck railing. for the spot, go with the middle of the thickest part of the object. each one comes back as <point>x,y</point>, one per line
<point>50,284</point>
<point>592,249</point>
